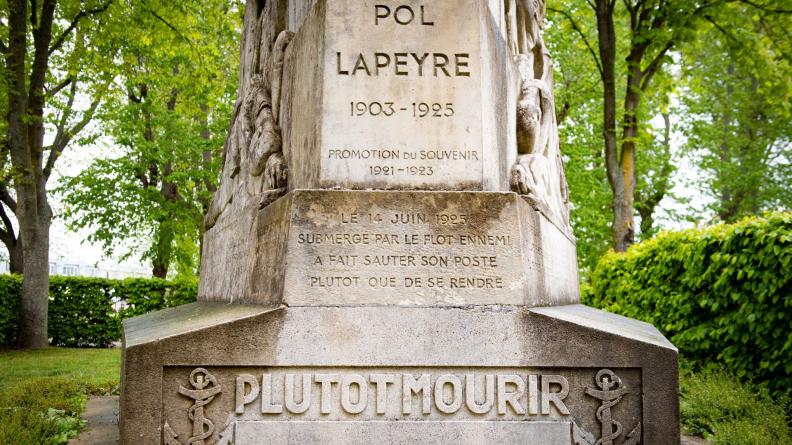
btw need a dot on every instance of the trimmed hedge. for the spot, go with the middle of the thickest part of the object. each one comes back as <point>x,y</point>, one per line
<point>10,290</point>
<point>723,294</point>
<point>82,311</point>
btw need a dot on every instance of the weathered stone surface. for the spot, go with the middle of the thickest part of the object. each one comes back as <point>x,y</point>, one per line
<point>447,96</point>
<point>254,170</point>
<point>400,95</point>
<point>427,433</point>
<point>404,248</point>
<point>542,364</point>
<point>539,170</point>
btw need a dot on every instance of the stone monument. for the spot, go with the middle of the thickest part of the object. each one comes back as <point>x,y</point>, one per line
<point>388,258</point>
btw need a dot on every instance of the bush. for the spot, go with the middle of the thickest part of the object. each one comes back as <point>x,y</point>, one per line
<point>10,290</point>
<point>41,411</point>
<point>723,294</point>
<point>82,311</point>
<point>720,408</point>
<point>144,295</point>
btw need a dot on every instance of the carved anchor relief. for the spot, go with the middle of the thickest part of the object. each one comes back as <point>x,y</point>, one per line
<point>205,389</point>
<point>610,392</point>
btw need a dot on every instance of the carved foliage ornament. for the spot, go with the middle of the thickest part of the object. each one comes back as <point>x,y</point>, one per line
<point>253,159</point>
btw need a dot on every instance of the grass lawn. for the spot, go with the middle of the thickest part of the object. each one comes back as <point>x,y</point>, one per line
<point>43,393</point>
<point>97,369</point>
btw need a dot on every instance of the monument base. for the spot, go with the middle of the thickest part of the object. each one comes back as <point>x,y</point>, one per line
<point>220,374</point>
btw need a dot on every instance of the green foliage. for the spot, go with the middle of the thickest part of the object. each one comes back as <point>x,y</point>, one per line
<point>738,100</point>
<point>41,411</point>
<point>726,411</point>
<point>82,310</point>
<point>70,82</point>
<point>579,107</point>
<point>143,295</point>
<point>736,123</point>
<point>10,290</point>
<point>723,294</point>
<point>579,104</point>
<point>43,392</point>
<point>167,116</point>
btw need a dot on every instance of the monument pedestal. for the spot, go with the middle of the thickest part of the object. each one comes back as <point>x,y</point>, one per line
<point>244,375</point>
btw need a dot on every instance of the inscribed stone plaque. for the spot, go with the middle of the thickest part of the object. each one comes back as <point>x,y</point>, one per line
<point>316,247</point>
<point>436,405</point>
<point>406,97</point>
<point>196,372</point>
<point>436,249</point>
<point>416,248</point>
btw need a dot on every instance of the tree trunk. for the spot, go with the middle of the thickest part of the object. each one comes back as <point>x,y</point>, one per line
<point>35,281</point>
<point>164,251</point>
<point>27,57</point>
<point>25,134</point>
<point>624,209</point>
<point>622,226</point>
<point>15,263</point>
<point>169,190</point>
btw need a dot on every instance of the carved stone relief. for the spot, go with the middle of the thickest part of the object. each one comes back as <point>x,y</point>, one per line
<point>539,170</point>
<point>609,392</point>
<point>399,396</point>
<point>254,167</point>
<point>204,390</point>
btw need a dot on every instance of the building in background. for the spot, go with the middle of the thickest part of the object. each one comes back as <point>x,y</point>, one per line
<point>85,270</point>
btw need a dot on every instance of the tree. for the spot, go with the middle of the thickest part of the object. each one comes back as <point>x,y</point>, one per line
<point>654,27</point>
<point>581,91</point>
<point>52,54</point>
<point>737,93</point>
<point>579,103</point>
<point>173,97</point>
<point>644,32</point>
<point>655,168</point>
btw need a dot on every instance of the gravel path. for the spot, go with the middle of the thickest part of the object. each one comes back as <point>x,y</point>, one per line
<point>102,416</point>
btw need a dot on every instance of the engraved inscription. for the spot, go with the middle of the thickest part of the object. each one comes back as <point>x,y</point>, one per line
<point>356,396</point>
<point>408,394</point>
<point>435,252</point>
<point>412,79</point>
